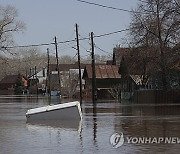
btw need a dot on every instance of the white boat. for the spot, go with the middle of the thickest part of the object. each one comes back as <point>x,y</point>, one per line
<point>67,111</point>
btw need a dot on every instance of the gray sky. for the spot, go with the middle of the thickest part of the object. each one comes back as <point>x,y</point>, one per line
<point>46,19</point>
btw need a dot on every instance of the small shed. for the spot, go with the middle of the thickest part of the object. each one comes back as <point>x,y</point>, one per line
<point>106,77</point>
<point>8,82</point>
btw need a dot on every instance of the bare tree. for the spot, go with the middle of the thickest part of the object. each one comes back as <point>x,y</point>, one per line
<point>67,59</point>
<point>24,60</point>
<point>98,58</point>
<point>177,3</point>
<point>9,25</point>
<point>156,25</point>
<point>140,61</point>
<point>31,57</point>
<point>70,82</point>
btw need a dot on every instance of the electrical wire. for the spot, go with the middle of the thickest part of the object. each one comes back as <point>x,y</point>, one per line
<point>62,42</point>
<point>106,34</point>
<point>25,46</point>
<point>110,7</point>
<point>106,52</point>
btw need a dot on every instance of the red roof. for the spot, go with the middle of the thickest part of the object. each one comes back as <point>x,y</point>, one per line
<point>102,71</point>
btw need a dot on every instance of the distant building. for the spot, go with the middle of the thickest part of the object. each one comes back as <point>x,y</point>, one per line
<point>144,69</point>
<point>69,74</point>
<point>38,79</point>
<point>8,82</point>
<point>130,65</point>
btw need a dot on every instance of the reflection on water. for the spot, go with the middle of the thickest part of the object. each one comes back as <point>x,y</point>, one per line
<point>71,125</point>
<point>92,134</point>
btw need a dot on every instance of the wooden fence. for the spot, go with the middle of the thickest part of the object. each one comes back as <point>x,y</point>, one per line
<point>156,96</point>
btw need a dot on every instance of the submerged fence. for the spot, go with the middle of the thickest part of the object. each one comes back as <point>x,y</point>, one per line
<point>156,96</point>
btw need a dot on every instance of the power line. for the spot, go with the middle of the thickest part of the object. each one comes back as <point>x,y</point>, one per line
<point>74,56</point>
<point>82,46</point>
<point>106,52</point>
<point>105,6</point>
<point>25,46</point>
<point>63,42</point>
<point>95,45</point>
<point>110,7</point>
<point>106,34</point>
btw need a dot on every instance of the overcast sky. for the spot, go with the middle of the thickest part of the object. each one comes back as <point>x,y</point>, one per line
<point>46,19</point>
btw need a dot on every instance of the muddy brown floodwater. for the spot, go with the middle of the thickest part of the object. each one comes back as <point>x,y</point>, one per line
<point>93,133</point>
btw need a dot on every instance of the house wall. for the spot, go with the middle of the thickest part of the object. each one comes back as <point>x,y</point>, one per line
<point>6,86</point>
<point>127,87</point>
<point>102,85</point>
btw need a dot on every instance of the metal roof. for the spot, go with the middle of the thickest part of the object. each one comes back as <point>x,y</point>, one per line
<point>102,71</point>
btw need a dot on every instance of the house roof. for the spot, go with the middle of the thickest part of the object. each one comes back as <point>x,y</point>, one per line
<point>131,58</point>
<point>102,71</point>
<point>9,79</point>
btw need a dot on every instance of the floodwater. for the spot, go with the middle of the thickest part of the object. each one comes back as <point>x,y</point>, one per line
<point>92,134</point>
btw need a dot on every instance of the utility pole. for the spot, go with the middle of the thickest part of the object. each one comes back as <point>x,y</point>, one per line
<point>30,80</point>
<point>48,80</point>
<point>94,92</point>
<point>30,72</point>
<point>36,80</point>
<point>57,60</point>
<point>79,63</point>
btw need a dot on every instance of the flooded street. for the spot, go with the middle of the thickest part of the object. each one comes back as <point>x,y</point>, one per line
<point>92,134</point>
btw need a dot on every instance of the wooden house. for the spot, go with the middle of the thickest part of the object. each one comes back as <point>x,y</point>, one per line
<point>107,76</point>
<point>8,82</point>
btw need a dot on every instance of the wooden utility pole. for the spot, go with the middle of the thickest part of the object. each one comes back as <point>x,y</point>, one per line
<point>57,61</point>
<point>48,80</point>
<point>33,72</point>
<point>30,80</point>
<point>79,63</point>
<point>94,92</point>
<point>36,80</point>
